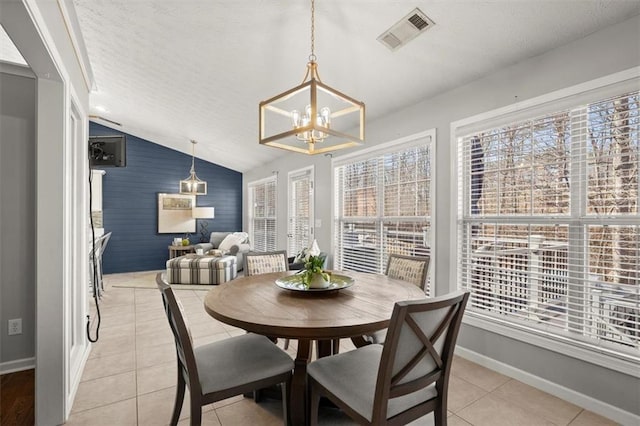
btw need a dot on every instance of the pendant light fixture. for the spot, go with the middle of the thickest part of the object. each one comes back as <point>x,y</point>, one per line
<point>311,118</point>
<point>193,185</point>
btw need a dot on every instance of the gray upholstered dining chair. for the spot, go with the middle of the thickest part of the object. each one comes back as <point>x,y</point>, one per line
<point>402,380</point>
<point>256,263</point>
<point>222,369</point>
<point>413,269</point>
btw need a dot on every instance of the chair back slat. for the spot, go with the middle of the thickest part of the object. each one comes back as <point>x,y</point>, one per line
<point>182,336</point>
<point>418,349</point>
<point>256,263</point>
<point>413,269</point>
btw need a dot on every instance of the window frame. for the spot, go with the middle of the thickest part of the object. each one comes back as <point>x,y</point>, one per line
<point>379,150</point>
<point>292,176</point>
<point>567,98</point>
<point>251,188</point>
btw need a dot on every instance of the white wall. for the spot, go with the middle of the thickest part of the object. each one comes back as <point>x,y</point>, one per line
<point>602,53</point>
<point>17,216</point>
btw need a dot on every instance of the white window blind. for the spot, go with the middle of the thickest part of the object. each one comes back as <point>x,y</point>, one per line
<point>300,232</point>
<point>262,214</point>
<point>382,206</point>
<point>549,228</point>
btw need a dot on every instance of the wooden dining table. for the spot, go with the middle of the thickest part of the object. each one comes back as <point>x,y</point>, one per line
<point>258,305</point>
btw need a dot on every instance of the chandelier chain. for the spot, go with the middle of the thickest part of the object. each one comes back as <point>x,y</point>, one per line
<point>193,156</point>
<point>312,57</point>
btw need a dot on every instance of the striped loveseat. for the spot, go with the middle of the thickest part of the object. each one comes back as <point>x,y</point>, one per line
<point>198,269</point>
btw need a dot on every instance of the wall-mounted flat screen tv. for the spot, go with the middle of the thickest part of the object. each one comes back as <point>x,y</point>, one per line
<point>108,151</point>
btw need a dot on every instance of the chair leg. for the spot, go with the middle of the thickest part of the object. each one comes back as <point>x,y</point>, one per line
<point>335,347</point>
<point>359,341</point>
<point>286,344</point>
<point>286,394</point>
<point>177,406</point>
<point>196,411</point>
<point>314,403</point>
<point>273,339</point>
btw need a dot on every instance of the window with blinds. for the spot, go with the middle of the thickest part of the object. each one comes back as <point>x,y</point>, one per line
<point>300,232</point>
<point>549,228</point>
<point>382,206</point>
<point>262,214</point>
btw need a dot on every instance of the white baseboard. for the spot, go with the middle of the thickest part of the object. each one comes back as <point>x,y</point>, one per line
<point>17,365</point>
<point>588,403</point>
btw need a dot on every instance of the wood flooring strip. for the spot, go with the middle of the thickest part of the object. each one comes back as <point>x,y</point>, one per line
<point>17,396</point>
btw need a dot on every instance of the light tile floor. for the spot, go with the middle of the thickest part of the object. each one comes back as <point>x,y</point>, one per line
<point>130,376</point>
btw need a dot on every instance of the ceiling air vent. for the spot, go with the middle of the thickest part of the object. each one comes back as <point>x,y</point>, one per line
<point>406,29</point>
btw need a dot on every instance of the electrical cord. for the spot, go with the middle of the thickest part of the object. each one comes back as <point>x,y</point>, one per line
<point>94,261</point>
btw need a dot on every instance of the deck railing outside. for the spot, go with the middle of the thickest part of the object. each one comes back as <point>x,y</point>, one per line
<point>529,278</point>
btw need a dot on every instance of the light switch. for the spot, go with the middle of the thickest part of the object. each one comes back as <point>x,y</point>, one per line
<point>318,223</point>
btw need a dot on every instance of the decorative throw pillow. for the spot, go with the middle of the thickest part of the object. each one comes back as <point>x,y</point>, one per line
<point>217,237</point>
<point>243,237</point>
<point>230,241</point>
<point>217,252</point>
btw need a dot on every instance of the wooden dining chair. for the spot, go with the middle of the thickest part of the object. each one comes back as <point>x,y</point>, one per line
<point>413,269</point>
<point>222,369</point>
<point>256,263</point>
<point>402,380</point>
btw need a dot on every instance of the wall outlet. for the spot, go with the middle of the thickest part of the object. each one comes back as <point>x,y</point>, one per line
<point>15,326</point>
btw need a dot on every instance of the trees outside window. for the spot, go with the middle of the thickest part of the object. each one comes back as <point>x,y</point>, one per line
<point>549,222</point>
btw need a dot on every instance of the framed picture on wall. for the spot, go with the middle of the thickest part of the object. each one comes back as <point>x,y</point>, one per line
<point>174,213</point>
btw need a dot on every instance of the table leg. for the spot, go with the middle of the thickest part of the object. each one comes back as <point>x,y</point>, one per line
<point>298,405</point>
<point>325,348</point>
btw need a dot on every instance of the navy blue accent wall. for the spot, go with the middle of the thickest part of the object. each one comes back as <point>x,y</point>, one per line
<point>130,201</point>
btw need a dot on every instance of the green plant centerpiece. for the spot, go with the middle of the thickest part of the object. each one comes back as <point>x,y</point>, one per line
<point>313,276</point>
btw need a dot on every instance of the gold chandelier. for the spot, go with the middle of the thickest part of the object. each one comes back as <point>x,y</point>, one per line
<point>329,120</point>
<point>193,185</point>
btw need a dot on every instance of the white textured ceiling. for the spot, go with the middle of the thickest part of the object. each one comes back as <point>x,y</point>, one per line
<point>175,70</point>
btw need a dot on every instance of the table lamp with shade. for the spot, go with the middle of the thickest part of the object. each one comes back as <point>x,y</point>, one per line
<point>203,213</point>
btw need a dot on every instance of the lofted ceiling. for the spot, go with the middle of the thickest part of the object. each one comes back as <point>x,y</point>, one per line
<point>175,70</point>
